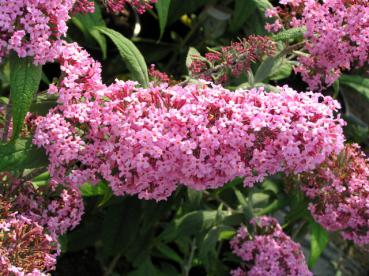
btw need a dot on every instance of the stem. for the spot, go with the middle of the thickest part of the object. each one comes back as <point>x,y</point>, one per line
<point>8,117</point>
<point>298,229</point>
<point>112,265</point>
<point>187,267</point>
<point>33,174</point>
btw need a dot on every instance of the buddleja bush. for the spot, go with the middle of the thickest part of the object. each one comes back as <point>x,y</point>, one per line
<point>178,168</point>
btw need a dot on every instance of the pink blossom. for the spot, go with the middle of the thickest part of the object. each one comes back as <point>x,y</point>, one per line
<point>33,28</point>
<point>54,207</point>
<point>337,36</point>
<point>25,247</point>
<point>84,6</point>
<point>339,191</point>
<point>118,6</point>
<point>147,141</point>
<point>267,251</point>
<point>233,60</point>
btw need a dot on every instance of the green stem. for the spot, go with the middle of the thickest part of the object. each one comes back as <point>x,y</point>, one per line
<point>187,267</point>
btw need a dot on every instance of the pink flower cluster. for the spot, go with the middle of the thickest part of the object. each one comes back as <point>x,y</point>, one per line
<point>158,77</point>
<point>147,141</point>
<point>81,75</point>
<point>56,208</point>
<point>337,36</point>
<point>266,250</point>
<point>31,221</point>
<point>233,60</point>
<point>118,6</point>
<point>33,28</point>
<point>83,6</point>
<point>339,190</point>
<point>25,247</point>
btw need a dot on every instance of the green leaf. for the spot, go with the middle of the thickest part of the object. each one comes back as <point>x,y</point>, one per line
<point>130,54</point>
<point>208,248</point>
<point>162,7</point>
<point>283,71</point>
<point>41,180</point>
<point>42,177</point>
<point>145,269</point>
<point>189,224</point>
<point>121,226</point>
<point>25,78</point>
<point>168,252</point>
<point>63,241</point>
<point>21,154</point>
<point>319,241</point>
<point>87,23</point>
<point>99,189</point>
<point>266,68</point>
<point>243,10</point>
<point>273,207</point>
<point>358,83</point>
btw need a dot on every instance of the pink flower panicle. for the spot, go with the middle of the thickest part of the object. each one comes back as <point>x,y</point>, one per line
<point>339,190</point>
<point>33,28</point>
<point>233,60</point>
<point>81,75</point>
<point>83,6</point>
<point>55,208</point>
<point>25,247</point>
<point>147,141</point>
<point>267,251</point>
<point>117,6</point>
<point>329,23</point>
<point>158,77</point>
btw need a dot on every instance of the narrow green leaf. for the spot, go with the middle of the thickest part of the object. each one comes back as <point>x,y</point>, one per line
<point>41,180</point>
<point>319,241</point>
<point>162,7</point>
<point>241,198</point>
<point>87,23</point>
<point>282,71</point>
<point>130,54</point>
<point>25,78</point>
<point>358,83</point>
<point>273,207</point>
<point>21,154</point>
<point>99,189</point>
<point>168,252</point>
<point>266,68</point>
<point>146,268</point>
<point>190,224</point>
<point>42,177</point>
